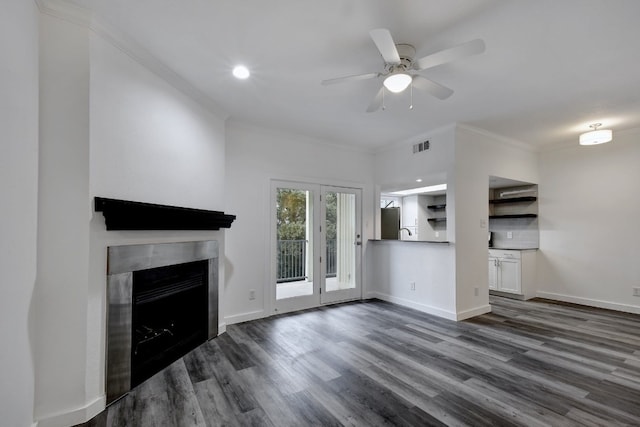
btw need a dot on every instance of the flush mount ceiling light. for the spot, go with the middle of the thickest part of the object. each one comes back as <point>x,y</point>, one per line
<point>241,72</point>
<point>397,81</point>
<point>596,136</point>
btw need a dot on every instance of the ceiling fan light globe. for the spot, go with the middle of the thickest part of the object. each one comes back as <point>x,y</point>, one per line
<point>397,82</point>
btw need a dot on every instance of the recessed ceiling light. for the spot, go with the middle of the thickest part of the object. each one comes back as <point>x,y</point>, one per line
<point>241,72</point>
<point>419,180</point>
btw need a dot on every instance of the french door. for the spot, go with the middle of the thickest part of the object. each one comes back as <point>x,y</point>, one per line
<point>316,245</point>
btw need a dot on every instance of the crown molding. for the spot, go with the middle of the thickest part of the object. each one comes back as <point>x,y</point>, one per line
<point>67,11</point>
<point>514,143</point>
<point>70,12</point>
<point>306,138</point>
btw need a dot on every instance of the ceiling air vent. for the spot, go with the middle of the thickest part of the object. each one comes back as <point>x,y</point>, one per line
<point>420,147</point>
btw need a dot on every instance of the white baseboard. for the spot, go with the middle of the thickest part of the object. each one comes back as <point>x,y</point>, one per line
<point>416,306</point>
<point>473,312</point>
<point>75,416</point>
<point>627,308</point>
<point>222,328</point>
<point>244,317</point>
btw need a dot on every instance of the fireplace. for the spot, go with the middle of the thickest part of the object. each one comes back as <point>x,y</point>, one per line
<point>163,302</point>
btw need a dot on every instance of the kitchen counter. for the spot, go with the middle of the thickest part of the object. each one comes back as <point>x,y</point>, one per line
<point>410,241</point>
<point>514,249</point>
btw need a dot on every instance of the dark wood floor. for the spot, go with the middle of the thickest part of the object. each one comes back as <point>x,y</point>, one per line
<point>374,363</point>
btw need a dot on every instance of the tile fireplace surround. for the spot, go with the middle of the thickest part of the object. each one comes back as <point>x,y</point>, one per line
<point>122,262</point>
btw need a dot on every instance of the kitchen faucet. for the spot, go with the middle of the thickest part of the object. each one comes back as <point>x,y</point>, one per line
<point>408,231</point>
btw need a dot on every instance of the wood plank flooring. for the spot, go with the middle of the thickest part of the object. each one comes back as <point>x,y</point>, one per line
<point>371,363</point>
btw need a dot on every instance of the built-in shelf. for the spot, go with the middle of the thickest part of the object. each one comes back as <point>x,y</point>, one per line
<point>437,219</point>
<point>128,215</point>
<point>437,207</point>
<point>513,200</point>
<point>513,216</point>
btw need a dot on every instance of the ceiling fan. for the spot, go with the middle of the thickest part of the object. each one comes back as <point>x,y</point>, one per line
<point>400,67</point>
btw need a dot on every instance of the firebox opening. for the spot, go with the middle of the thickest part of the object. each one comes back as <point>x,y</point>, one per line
<point>169,316</point>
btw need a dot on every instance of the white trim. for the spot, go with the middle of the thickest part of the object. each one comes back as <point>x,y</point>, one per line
<point>302,138</point>
<point>65,10</point>
<point>244,317</point>
<point>416,306</point>
<point>222,328</point>
<point>75,416</point>
<point>499,138</point>
<point>473,312</point>
<point>627,308</point>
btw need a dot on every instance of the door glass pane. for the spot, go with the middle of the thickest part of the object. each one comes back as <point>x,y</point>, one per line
<point>294,217</point>
<point>340,232</point>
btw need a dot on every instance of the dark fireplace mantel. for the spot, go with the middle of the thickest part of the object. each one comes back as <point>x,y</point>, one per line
<point>128,215</point>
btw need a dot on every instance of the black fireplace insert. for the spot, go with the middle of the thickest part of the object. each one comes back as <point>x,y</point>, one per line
<point>169,317</point>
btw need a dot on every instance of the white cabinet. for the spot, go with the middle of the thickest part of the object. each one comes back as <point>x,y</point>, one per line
<point>409,217</point>
<point>414,218</point>
<point>512,271</point>
<point>493,273</point>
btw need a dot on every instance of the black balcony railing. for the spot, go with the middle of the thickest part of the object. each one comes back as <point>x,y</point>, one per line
<point>292,260</point>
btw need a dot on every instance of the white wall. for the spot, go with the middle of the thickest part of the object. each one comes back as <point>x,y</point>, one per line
<point>465,157</point>
<point>478,156</point>
<point>18,189</point>
<point>398,166</point>
<point>110,128</point>
<point>150,142</point>
<point>255,156</point>
<point>589,233</point>
<point>63,218</point>
<point>394,265</point>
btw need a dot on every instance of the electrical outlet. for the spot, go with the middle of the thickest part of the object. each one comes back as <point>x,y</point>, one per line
<point>509,234</point>
<point>476,291</point>
<point>252,294</point>
<point>437,234</point>
<point>413,286</point>
<point>636,292</point>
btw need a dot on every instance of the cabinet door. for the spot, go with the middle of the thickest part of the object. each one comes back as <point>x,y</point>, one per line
<point>509,275</point>
<point>493,273</point>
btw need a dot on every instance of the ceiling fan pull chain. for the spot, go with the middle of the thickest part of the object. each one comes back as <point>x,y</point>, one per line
<point>411,93</point>
<point>384,107</point>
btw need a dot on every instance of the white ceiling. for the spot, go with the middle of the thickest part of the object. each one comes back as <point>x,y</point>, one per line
<point>551,67</point>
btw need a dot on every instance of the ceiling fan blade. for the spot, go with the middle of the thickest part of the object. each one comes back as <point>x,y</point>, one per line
<point>447,55</point>
<point>377,101</point>
<point>350,78</point>
<point>384,42</point>
<point>435,89</point>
